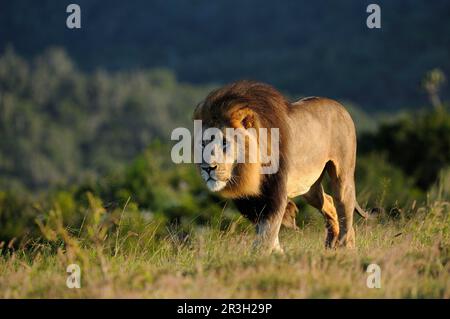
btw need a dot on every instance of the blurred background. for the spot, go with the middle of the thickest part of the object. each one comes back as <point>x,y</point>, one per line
<point>90,110</point>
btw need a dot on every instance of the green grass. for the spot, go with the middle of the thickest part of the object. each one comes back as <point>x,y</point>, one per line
<point>413,252</point>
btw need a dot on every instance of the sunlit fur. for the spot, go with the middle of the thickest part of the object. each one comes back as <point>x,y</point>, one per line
<point>317,136</point>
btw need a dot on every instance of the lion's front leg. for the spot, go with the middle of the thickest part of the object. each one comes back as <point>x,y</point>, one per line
<point>267,230</point>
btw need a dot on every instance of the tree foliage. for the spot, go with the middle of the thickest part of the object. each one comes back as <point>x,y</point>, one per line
<point>59,125</point>
<point>417,143</point>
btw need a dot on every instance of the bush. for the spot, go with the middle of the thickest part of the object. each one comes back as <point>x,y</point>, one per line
<point>419,145</point>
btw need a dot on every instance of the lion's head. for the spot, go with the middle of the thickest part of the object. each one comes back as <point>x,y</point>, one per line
<point>230,140</point>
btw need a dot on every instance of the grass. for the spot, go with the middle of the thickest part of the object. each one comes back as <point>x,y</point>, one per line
<point>413,252</point>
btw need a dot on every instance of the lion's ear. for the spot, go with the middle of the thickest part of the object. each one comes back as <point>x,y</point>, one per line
<point>244,117</point>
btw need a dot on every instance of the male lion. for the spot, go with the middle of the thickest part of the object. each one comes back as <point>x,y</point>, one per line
<point>316,135</point>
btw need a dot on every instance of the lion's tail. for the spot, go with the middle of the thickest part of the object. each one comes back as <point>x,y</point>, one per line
<point>360,211</point>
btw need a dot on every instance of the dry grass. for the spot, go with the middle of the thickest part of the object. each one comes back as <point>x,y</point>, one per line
<point>413,253</point>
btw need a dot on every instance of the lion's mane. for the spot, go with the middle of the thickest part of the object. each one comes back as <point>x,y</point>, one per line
<point>270,110</point>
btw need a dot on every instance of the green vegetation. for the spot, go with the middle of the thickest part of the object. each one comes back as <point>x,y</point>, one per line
<point>418,143</point>
<point>124,255</point>
<point>60,126</point>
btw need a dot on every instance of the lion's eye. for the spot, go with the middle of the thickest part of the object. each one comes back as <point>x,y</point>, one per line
<point>224,144</point>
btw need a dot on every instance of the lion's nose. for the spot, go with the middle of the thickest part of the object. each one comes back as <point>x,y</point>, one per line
<point>208,169</point>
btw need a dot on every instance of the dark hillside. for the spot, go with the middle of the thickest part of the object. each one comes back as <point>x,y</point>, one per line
<point>302,47</point>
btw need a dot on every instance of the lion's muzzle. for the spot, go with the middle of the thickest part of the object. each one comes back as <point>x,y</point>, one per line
<point>213,177</point>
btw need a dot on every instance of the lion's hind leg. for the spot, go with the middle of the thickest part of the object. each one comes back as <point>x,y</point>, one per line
<point>317,198</point>
<point>343,187</point>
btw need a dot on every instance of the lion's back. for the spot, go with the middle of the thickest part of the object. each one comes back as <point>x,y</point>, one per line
<point>329,115</point>
<point>324,130</point>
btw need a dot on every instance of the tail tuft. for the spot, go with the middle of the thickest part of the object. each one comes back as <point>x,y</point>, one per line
<point>360,211</point>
